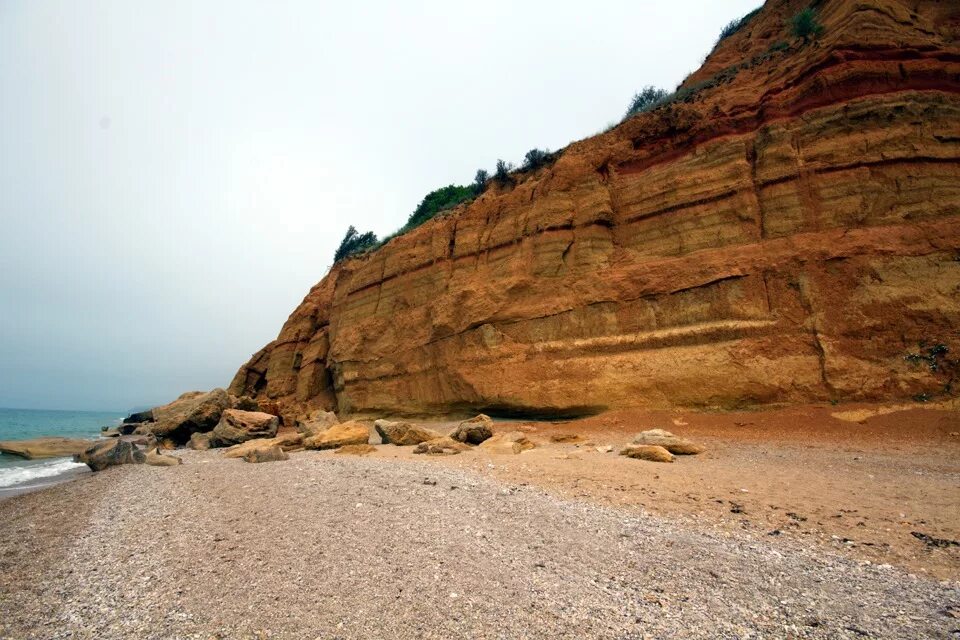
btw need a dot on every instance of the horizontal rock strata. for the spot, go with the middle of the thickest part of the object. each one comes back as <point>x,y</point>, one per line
<point>789,234</point>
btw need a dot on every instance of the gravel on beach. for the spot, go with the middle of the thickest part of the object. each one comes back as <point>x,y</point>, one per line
<point>325,546</point>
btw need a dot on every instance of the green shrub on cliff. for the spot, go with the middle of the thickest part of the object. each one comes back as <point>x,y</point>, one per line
<point>806,25</point>
<point>646,99</point>
<point>535,159</point>
<point>439,200</point>
<point>502,176</point>
<point>480,181</point>
<point>354,242</point>
<point>735,25</point>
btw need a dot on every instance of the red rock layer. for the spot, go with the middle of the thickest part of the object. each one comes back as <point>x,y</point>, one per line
<point>791,234</point>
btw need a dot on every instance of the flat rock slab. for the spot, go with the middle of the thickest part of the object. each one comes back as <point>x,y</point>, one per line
<point>349,547</point>
<point>37,448</point>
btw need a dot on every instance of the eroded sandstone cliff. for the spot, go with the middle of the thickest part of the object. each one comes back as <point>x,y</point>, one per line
<point>790,233</point>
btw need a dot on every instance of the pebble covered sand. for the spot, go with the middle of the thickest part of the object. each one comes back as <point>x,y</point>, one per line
<point>329,546</point>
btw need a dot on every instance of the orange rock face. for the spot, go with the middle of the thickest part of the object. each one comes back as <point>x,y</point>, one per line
<point>791,233</point>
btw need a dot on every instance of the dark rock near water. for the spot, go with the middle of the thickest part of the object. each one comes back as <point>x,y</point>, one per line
<point>110,453</point>
<point>140,416</point>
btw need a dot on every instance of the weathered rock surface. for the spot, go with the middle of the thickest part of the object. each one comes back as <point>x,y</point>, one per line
<point>403,434</point>
<point>653,453</point>
<point>317,422</point>
<point>266,454</point>
<point>513,442</point>
<point>787,233</point>
<point>674,444</point>
<point>200,441</point>
<point>236,426</point>
<point>36,448</point>
<point>445,446</point>
<point>110,453</point>
<point>138,417</point>
<point>287,441</point>
<point>474,431</point>
<point>154,458</point>
<point>191,412</point>
<point>339,435</point>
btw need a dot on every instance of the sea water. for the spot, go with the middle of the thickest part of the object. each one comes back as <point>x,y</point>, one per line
<point>23,424</point>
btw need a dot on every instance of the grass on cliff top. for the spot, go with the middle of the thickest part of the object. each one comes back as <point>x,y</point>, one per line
<point>804,25</point>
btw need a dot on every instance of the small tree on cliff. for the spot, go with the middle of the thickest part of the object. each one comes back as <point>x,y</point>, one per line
<point>480,181</point>
<point>502,176</point>
<point>354,242</point>
<point>806,25</point>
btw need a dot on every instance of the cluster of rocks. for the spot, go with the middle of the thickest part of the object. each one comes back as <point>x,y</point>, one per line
<point>658,445</point>
<point>217,419</point>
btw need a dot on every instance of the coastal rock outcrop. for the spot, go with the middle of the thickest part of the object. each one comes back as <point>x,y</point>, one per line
<point>287,441</point>
<point>403,434</point>
<point>265,454</point>
<point>339,435</point>
<point>674,444</point>
<point>445,446</point>
<point>236,426</point>
<point>192,412</point>
<point>110,453</point>
<point>474,431</point>
<point>316,422</point>
<point>786,229</point>
<point>154,458</point>
<point>652,453</point>
<point>513,442</point>
<point>52,447</point>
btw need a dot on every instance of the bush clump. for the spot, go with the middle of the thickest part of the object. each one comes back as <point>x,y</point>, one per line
<point>354,242</point>
<point>502,175</point>
<point>646,99</point>
<point>735,25</point>
<point>439,200</point>
<point>806,25</point>
<point>535,159</point>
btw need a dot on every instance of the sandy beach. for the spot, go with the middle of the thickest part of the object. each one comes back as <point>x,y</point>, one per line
<point>750,539</point>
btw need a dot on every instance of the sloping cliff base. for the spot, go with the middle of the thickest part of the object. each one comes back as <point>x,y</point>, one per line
<point>792,523</point>
<point>785,230</point>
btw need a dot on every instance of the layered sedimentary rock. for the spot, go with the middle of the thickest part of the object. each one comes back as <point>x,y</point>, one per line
<point>789,233</point>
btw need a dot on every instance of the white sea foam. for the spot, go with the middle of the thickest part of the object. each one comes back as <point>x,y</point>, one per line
<point>18,474</point>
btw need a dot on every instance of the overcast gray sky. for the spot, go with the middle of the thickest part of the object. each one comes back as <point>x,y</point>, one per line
<point>175,175</point>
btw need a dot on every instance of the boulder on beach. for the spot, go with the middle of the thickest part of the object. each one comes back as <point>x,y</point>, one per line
<point>513,442</point>
<point>316,422</point>
<point>154,458</point>
<point>339,435</point>
<point>474,431</point>
<point>403,434</point>
<point>238,426</point>
<point>110,453</point>
<point>290,441</point>
<point>653,453</point>
<point>191,412</point>
<point>444,446</point>
<point>265,454</point>
<point>674,444</point>
<point>37,448</point>
<point>200,441</point>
